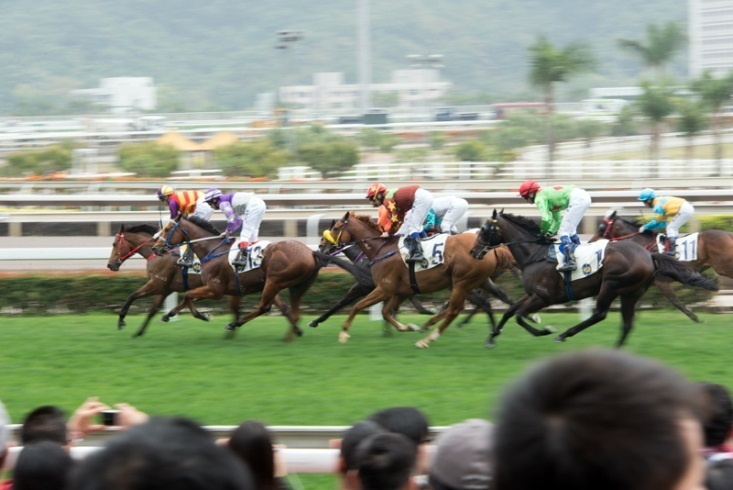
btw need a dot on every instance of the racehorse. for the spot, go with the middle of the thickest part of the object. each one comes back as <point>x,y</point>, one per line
<point>714,250</point>
<point>165,276</point>
<point>359,268</point>
<point>286,264</point>
<point>458,271</point>
<point>627,272</point>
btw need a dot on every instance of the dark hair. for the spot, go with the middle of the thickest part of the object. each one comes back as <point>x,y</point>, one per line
<point>353,437</point>
<point>717,413</point>
<point>408,421</point>
<point>162,454</point>
<point>385,461</point>
<point>44,465</point>
<point>594,419</point>
<point>46,423</point>
<point>252,444</point>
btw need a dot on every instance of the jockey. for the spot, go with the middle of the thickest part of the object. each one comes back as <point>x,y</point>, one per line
<point>550,201</point>
<point>672,212</point>
<point>187,203</point>
<point>446,212</point>
<point>386,222</point>
<point>243,209</point>
<point>410,205</point>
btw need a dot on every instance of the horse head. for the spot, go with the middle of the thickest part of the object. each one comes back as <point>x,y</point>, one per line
<point>172,234</point>
<point>115,257</point>
<point>328,243</point>
<point>606,226</point>
<point>488,236</point>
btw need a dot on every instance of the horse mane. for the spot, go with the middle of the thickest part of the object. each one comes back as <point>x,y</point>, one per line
<point>202,223</point>
<point>631,222</point>
<point>523,222</point>
<point>148,229</point>
<point>367,221</point>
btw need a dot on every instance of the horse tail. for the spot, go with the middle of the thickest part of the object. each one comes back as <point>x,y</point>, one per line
<point>671,268</point>
<point>361,274</point>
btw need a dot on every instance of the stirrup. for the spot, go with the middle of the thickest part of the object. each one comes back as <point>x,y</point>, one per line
<point>568,267</point>
<point>240,260</point>
<point>415,258</point>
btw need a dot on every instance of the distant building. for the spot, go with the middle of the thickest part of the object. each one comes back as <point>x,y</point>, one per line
<point>411,88</point>
<point>710,32</point>
<point>122,94</point>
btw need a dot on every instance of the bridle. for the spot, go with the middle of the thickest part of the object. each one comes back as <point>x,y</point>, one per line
<point>608,226</point>
<point>132,250</point>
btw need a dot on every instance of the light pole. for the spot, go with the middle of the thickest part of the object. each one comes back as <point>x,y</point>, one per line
<point>286,41</point>
<point>422,63</point>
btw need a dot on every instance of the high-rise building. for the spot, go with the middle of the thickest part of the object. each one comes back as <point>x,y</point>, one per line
<point>710,36</point>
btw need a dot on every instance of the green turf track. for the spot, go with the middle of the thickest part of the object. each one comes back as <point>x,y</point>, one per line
<point>187,368</point>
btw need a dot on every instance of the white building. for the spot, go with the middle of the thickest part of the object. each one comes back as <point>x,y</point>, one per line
<point>710,32</point>
<point>122,94</point>
<point>411,88</point>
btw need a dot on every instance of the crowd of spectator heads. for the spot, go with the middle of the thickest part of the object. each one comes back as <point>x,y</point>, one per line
<point>594,419</point>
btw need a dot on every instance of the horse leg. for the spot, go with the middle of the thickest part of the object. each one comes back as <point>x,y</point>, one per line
<point>455,306</point>
<point>370,299</point>
<point>603,303</point>
<point>628,310</point>
<point>296,296</point>
<point>420,308</point>
<point>145,290</point>
<point>202,292</point>
<point>157,301</point>
<point>357,291</point>
<point>666,288</point>
<point>496,331</point>
<point>269,292</point>
<point>234,302</point>
<point>292,314</point>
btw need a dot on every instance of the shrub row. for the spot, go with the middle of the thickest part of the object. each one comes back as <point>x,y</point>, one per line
<point>79,293</point>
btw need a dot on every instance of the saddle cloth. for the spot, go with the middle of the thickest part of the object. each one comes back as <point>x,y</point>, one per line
<point>432,249</point>
<point>196,268</point>
<point>588,257</point>
<point>254,255</point>
<point>686,247</point>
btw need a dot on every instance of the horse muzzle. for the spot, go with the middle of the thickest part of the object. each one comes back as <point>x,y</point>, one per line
<point>114,265</point>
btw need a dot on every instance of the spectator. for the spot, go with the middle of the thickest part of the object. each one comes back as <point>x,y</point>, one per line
<point>385,462</point>
<point>464,458</point>
<point>599,420</point>
<point>251,443</point>
<point>410,422</point>
<point>162,454</point>
<point>348,464</point>
<point>46,423</point>
<point>717,423</point>
<point>42,465</point>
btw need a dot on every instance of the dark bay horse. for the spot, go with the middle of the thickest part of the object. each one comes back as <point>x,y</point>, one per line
<point>714,247</point>
<point>358,266</point>
<point>288,264</point>
<point>165,276</point>
<point>714,250</point>
<point>459,272</point>
<point>628,271</point>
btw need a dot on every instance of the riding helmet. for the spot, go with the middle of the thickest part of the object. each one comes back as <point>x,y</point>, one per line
<point>528,187</point>
<point>647,194</point>
<point>375,189</point>
<point>164,191</point>
<point>212,194</point>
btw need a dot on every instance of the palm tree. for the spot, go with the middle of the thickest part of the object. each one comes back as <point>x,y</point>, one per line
<point>692,120</point>
<point>656,103</point>
<point>716,94</point>
<point>662,43</point>
<point>550,65</point>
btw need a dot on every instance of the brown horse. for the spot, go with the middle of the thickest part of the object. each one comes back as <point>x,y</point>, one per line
<point>165,276</point>
<point>627,272</point>
<point>286,264</point>
<point>459,272</point>
<point>714,250</point>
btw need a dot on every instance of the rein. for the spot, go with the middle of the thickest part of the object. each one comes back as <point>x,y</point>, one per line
<point>133,250</point>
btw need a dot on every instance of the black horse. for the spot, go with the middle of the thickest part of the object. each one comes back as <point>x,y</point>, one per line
<point>627,272</point>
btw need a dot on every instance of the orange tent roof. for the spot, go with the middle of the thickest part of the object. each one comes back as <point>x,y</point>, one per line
<point>225,138</point>
<point>179,142</point>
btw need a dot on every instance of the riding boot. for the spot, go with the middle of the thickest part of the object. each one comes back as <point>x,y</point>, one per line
<point>186,259</point>
<point>671,246</point>
<point>241,258</point>
<point>413,244</point>
<point>568,247</point>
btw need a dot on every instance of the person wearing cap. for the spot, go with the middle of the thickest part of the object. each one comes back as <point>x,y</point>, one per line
<point>464,458</point>
<point>410,206</point>
<point>243,210</point>
<point>187,203</point>
<point>550,201</point>
<point>670,212</point>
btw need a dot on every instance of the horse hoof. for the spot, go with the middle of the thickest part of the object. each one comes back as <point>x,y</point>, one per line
<point>559,338</point>
<point>121,325</point>
<point>298,332</point>
<point>165,318</point>
<point>550,329</point>
<point>230,328</point>
<point>344,337</point>
<point>490,344</point>
<point>206,317</point>
<point>535,318</point>
<point>411,327</point>
<point>313,324</point>
<point>422,344</point>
